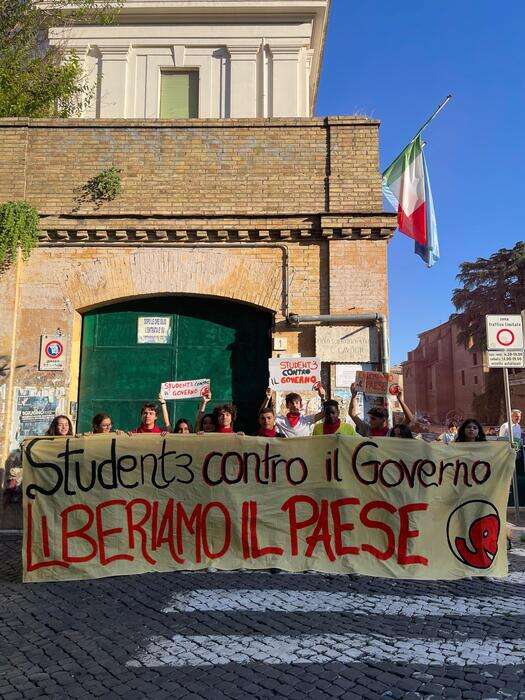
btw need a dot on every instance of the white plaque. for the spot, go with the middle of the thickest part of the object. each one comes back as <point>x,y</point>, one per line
<point>506,358</point>
<point>346,343</point>
<point>154,329</point>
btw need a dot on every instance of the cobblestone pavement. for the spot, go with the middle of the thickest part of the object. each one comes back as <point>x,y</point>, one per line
<point>238,635</point>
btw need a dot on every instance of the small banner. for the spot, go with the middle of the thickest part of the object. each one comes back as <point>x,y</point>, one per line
<point>189,389</point>
<point>104,505</point>
<point>294,373</point>
<point>377,383</point>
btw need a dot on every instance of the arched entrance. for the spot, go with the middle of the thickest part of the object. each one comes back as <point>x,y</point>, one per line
<point>229,342</point>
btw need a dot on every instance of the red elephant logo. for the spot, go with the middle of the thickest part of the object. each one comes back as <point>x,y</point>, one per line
<point>481,521</point>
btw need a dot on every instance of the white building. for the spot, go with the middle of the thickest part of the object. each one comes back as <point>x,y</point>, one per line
<point>174,59</point>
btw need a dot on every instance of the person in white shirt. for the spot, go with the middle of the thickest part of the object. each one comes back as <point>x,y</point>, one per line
<point>515,418</point>
<point>294,423</point>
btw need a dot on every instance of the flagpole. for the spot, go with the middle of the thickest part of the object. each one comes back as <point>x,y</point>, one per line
<point>433,115</point>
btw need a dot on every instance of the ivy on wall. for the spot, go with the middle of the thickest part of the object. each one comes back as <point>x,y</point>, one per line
<point>18,230</point>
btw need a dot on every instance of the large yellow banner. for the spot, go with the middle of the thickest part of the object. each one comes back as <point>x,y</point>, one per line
<point>106,505</point>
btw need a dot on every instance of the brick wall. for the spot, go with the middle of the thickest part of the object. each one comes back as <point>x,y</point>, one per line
<point>218,208</point>
<point>196,167</point>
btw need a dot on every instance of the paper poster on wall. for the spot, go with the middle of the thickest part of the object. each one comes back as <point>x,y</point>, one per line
<point>154,330</point>
<point>294,373</point>
<point>34,409</point>
<point>189,389</point>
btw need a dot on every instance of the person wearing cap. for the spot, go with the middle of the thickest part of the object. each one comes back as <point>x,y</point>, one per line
<point>378,425</point>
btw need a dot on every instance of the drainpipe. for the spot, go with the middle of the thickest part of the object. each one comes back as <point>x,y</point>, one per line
<point>368,319</point>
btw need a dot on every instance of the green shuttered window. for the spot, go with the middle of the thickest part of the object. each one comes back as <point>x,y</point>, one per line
<point>179,94</point>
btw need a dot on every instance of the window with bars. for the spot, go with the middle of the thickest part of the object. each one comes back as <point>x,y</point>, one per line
<point>179,94</point>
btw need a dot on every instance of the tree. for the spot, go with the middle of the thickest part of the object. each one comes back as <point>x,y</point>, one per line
<point>38,79</point>
<point>494,285</point>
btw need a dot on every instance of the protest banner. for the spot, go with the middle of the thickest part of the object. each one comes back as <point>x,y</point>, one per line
<point>377,383</point>
<point>108,505</point>
<point>287,373</point>
<point>188,389</point>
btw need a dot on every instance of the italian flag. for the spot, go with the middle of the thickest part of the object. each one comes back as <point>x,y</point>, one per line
<point>407,188</point>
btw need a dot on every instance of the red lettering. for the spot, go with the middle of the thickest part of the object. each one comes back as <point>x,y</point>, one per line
<point>102,533</point>
<point>321,533</point>
<point>166,532</point>
<point>193,526</point>
<point>79,533</point>
<point>227,530</point>
<point>379,525</point>
<point>404,534</point>
<point>256,550</point>
<point>139,526</point>
<point>340,526</point>
<point>294,523</point>
<point>30,566</point>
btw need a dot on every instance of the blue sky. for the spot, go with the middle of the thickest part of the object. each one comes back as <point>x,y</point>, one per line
<point>396,62</point>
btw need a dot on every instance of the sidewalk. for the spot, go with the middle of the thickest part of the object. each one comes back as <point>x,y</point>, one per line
<point>238,635</point>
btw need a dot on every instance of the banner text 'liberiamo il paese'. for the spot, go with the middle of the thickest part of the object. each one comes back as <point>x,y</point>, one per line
<point>105,505</point>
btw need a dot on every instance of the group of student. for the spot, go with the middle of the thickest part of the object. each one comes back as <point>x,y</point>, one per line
<point>293,423</point>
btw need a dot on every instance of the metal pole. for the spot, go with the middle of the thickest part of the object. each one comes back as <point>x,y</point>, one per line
<point>511,440</point>
<point>433,115</point>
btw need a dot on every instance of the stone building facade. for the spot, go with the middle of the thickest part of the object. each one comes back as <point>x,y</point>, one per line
<point>441,377</point>
<point>281,217</point>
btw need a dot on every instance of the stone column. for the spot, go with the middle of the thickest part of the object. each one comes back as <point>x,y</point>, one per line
<point>114,81</point>
<point>243,80</point>
<point>285,81</point>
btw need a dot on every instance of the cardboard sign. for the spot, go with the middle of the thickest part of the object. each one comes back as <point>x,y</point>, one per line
<point>154,329</point>
<point>377,383</point>
<point>189,389</point>
<point>294,373</point>
<point>51,353</point>
<point>340,504</point>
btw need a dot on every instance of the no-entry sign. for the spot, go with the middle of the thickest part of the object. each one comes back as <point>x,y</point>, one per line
<point>504,332</point>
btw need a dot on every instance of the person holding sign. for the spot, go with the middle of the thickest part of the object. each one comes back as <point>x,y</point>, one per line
<point>294,423</point>
<point>204,422</point>
<point>332,423</point>
<point>223,418</point>
<point>378,425</point>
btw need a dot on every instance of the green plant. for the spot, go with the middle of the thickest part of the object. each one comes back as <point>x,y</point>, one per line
<point>40,78</point>
<point>105,186</point>
<point>18,230</point>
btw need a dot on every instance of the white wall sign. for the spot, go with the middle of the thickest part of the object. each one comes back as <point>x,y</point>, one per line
<point>294,373</point>
<point>506,358</point>
<point>346,343</point>
<point>504,332</point>
<point>154,329</point>
<point>52,353</point>
<point>189,389</point>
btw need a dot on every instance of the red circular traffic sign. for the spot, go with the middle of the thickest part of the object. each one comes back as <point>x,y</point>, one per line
<point>53,349</point>
<point>505,337</point>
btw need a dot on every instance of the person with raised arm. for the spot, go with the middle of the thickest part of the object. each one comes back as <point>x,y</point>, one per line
<point>294,423</point>
<point>378,425</point>
<point>204,422</point>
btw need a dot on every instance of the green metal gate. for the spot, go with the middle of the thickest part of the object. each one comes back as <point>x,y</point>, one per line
<point>225,341</point>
